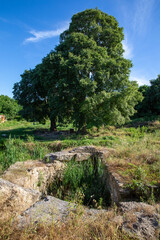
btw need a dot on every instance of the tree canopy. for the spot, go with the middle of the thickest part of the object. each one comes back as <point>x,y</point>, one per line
<point>85,79</point>
<point>151,102</point>
<point>9,106</point>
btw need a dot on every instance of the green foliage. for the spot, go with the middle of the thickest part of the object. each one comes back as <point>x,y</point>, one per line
<point>135,145</point>
<point>30,94</point>
<point>85,79</point>
<point>9,107</point>
<point>95,74</point>
<point>40,180</point>
<point>139,184</point>
<point>14,149</point>
<point>154,95</point>
<point>151,103</point>
<point>137,132</point>
<point>83,182</point>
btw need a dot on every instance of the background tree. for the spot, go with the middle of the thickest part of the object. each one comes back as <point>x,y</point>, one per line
<point>30,94</point>
<point>9,107</point>
<point>150,105</point>
<point>143,108</point>
<point>154,96</point>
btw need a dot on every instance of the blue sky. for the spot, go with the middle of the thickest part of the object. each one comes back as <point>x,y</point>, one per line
<point>29,29</point>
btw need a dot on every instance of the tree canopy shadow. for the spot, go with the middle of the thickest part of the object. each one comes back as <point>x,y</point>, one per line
<point>40,134</point>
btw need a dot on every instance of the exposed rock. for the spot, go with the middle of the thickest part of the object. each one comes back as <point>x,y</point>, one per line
<point>33,174</point>
<point>48,210</point>
<point>141,220</point>
<point>51,209</point>
<point>78,154</point>
<point>136,206</point>
<point>60,156</point>
<point>15,199</point>
<point>38,175</point>
<point>19,195</point>
<point>119,192</point>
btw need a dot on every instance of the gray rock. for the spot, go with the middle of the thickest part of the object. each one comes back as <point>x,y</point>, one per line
<point>15,199</point>
<point>140,220</point>
<point>33,174</point>
<point>78,154</point>
<point>52,210</point>
<point>47,210</point>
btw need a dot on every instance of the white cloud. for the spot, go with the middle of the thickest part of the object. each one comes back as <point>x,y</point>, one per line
<point>128,50</point>
<point>40,35</point>
<point>141,80</point>
<point>142,15</point>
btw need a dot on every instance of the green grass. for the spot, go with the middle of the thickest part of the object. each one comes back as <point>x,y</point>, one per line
<point>15,149</point>
<point>20,129</point>
<point>139,146</point>
<point>83,183</point>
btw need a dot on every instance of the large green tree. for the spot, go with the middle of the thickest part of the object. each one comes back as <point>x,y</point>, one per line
<point>86,78</point>
<point>94,75</point>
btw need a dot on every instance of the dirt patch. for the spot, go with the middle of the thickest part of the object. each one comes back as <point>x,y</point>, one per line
<point>53,135</point>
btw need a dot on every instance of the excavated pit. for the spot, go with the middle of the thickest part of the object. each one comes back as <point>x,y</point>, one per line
<point>25,185</point>
<point>85,182</point>
<point>97,186</point>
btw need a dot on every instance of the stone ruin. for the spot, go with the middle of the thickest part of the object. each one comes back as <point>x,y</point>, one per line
<point>23,187</point>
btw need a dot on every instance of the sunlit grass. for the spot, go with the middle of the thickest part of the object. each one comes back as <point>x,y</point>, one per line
<point>139,146</point>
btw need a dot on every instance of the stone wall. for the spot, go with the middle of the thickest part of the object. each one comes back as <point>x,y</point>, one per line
<point>37,175</point>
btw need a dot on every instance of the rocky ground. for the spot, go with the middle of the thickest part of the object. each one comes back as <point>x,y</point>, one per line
<point>23,195</point>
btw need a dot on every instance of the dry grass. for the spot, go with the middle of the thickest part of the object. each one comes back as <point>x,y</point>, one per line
<point>76,227</point>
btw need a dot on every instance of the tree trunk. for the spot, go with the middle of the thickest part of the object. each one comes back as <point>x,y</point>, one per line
<point>53,125</point>
<point>82,126</point>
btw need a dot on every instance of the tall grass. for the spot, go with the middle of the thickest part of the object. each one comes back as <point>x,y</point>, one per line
<point>15,149</point>
<point>83,182</point>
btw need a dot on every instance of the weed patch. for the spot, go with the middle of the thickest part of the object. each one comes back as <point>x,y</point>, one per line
<point>83,183</point>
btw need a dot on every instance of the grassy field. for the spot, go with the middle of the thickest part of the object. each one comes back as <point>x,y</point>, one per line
<point>136,149</point>
<point>135,156</point>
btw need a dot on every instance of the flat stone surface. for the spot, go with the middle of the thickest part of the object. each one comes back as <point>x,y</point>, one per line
<point>51,209</point>
<point>33,174</point>
<point>78,154</point>
<point>15,199</point>
<point>47,210</point>
<point>60,156</point>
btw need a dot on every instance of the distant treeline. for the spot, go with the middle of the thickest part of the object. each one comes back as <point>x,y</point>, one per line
<point>9,107</point>
<point>150,104</point>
